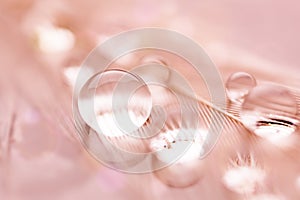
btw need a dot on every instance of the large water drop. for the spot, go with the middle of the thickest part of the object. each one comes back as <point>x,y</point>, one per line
<point>270,111</point>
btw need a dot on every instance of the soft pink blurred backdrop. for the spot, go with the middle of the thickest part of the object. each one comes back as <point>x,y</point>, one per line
<point>40,156</point>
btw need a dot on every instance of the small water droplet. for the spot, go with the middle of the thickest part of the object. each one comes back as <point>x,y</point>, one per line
<point>154,59</point>
<point>270,111</point>
<point>238,86</point>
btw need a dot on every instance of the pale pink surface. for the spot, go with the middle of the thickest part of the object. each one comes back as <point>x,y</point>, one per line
<point>44,160</point>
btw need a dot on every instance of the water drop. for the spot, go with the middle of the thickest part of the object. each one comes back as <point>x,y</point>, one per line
<point>153,69</point>
<point>186,170</point>
<point>119,94</point>
<point>122,104</point>
<point>154,59</point>
<point>238,86</point>
<point>270,111</point>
